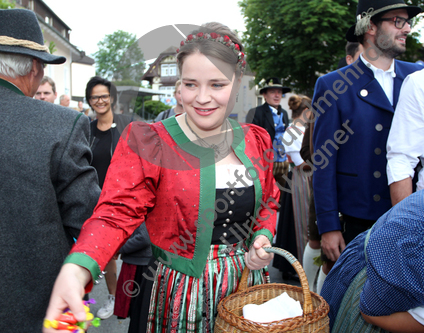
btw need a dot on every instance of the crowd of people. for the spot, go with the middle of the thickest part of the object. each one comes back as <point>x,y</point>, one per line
<point>195,197</point>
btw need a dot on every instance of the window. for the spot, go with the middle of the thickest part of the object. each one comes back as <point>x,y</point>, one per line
<point>168,70</point>
<point>169,91</point>
<point>259,101</point>
<point>48,20</point>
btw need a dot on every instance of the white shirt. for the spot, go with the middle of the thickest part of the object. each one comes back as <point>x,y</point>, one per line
<point>225,173</point>
<point>418,314</point>
<point>274,110</point>
<point>405,145</point>
<point>292,141</point>
<point>385,78</point>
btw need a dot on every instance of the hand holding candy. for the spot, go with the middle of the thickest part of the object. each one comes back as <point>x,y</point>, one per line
<point>67,320</point>
<point>71,284</point>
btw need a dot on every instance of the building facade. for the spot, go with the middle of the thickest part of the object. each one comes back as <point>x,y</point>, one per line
<point>72,76</point>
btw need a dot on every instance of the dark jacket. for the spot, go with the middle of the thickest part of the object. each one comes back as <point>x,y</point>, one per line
<point>307,146</point>
<point>350,137</point>
<point>47,191</point>
<point>263,118</point>
<point>137,249</point>
<point>121,122</point>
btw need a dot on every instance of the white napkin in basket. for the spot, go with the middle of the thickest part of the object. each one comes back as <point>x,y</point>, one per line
<point>278,308</point>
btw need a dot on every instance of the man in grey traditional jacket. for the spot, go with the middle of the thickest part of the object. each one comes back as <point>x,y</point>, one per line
<point>47,187</point>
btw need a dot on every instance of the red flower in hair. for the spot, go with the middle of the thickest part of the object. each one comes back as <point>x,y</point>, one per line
<point>226,38</point>
<point>190,37</point>
<point>200,34</point>
<point>182,43</point>
<point>214,35</point>
<point>242,55</point>
<point>237,47</point>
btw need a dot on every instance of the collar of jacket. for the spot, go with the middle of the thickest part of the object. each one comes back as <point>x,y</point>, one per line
<point>10,86</point>
<point>375,93</point>
<point>196,265</point>
<point>279,108</point>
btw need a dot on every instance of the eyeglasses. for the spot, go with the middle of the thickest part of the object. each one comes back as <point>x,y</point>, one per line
<point>104,98</point>
<point>399,21</point>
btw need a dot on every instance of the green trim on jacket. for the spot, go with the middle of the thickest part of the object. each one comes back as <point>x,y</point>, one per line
<point>10,86</point>
<point>85,261</point>
<point>207,196</point>
<point>240,153</point>
<point>196,265</point>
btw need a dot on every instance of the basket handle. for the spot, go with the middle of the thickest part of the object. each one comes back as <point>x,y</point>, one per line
<point>307,305</point>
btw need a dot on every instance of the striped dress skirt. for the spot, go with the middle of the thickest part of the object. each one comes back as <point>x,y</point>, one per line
<point>301,184</point>
<point>182,303</point>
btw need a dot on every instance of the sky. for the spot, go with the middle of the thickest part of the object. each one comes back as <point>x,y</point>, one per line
<point>91,20</point>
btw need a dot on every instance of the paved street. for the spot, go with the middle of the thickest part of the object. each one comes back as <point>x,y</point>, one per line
<point>112,324</point>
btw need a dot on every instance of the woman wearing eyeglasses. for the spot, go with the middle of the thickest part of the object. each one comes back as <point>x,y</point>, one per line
<point>104,136</point>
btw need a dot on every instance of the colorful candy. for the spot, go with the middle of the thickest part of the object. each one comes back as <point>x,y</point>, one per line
<point>67,320</point>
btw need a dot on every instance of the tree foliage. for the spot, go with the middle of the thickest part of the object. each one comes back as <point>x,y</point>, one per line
<point>119,57</point>
<point>153,107</point>
<point>52,47</point>
<point>414,48</point>
<point>127,83</point>
<point>5,4</point>
<point>297,40</point>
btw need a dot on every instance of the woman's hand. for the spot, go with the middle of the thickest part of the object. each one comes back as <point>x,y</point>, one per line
<point>68,292</point>
<point>257,258</point>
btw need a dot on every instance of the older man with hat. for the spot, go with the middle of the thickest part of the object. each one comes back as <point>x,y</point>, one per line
<point>48,188</point>
<point>354,109</point>
<point>272,117</point>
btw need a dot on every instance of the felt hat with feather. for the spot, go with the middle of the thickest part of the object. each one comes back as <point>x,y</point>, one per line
<point>368,8</point>
<point>20,33</point>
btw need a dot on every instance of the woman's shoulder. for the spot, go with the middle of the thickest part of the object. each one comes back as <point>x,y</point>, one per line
<point>258,136</point>
<point>296,126</point>
<point>256,131</point>
<point>157,144</point>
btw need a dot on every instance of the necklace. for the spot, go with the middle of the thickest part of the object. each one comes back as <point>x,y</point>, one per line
<point>221,149</point>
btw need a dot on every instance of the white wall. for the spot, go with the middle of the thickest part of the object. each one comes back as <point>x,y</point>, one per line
<point>81,74</point>
<point>246,99</point>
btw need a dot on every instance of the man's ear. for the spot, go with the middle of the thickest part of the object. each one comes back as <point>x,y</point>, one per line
<point>349,59</point>
<point>33,78</point>
<point>373,29</point>
<point>35,67</point>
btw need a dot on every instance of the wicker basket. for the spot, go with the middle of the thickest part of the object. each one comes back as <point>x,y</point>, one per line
<point>315,308</point>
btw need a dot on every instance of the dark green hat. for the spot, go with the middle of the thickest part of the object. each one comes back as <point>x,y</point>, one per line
<point>273,82</point>
<point>20,33</point>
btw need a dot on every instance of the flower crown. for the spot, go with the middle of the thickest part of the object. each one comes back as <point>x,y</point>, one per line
<point>225,40</point>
